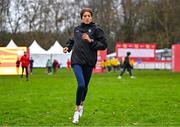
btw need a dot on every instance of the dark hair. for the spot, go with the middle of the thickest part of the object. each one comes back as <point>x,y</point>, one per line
<point>86,10</point>
<point>128,53</point>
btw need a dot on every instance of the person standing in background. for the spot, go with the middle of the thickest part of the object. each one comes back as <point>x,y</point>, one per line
<point>49,66</point>
<point>31,64</point>
<point>24,64</point>
<point>68,63</point>
<point>17,65</point>
<point>55,66</point>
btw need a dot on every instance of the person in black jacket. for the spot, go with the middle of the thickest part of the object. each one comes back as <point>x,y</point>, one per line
<point>126,65</point>
<point>31,64</point>
<point>88,39</point>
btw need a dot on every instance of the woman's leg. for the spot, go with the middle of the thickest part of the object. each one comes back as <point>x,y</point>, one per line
<point>78,71</point>
<point>87,72</point>
<point>81,86</point>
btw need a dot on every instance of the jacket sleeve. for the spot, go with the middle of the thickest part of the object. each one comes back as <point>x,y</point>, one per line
<point>70,44</point>
<point>99,42</point>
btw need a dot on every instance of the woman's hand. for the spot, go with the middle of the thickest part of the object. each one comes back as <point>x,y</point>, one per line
<point>86,37</point>
<point>65,49</point>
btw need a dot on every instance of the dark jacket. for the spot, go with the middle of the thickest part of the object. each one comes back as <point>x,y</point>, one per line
<point>85,53</point>
<point>126,61</point>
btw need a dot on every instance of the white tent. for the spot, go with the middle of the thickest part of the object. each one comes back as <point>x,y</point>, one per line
<point>38,54</point>
<point>35,48</point>
<point>11,44</point>
<point>56,49</point>
<point>56,52</point>
<point>111,55</point>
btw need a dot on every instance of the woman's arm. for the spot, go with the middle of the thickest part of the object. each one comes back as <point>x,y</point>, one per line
<point>99,43</point>
<point>68,46</point>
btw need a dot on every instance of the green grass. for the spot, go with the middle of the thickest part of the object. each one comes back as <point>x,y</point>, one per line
<point>151,99</point>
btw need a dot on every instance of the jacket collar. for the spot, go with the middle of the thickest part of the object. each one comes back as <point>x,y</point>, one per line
<point>87,25</point>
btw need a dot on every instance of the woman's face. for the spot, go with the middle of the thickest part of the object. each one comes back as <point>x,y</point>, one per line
<point>86,18</point>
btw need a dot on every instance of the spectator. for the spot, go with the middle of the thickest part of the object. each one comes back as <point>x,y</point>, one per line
<point>68,63</point>
<point>49,66</point>
<point>103,65</point>
<point>126,65</point>
<point>17,65</point>
<point>31,64</point>
<point>55,66</point>
<point>24,64</point>
<point>108,65</point>
<point>114,63</point>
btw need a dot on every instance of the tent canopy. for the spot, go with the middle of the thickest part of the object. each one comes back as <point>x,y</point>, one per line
<point>111,55</point>
<point>35,48</point>
<point>11,44</point>
<point>56,49</point>
<point>40,56</point>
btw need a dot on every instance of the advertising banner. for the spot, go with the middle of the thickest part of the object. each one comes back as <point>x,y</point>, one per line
<point>8,58</point>
<point>101,56</point>
<point>143,51</point>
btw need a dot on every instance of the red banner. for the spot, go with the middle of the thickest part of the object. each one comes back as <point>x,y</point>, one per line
<point>101,56</point>
<point>143,51</point>
<point>176,58</point>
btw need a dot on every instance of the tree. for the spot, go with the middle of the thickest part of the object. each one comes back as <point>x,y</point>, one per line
<point>4,6</point>
<point>15,16</point>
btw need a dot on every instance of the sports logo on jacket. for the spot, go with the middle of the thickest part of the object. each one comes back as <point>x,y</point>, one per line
<point>77,31</point>
<point>89,31</point>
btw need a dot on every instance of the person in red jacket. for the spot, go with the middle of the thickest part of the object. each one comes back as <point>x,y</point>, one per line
<point>68,65</point>
<point>24,64</point>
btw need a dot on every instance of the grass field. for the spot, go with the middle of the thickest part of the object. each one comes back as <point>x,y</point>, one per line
<point>151,99</point>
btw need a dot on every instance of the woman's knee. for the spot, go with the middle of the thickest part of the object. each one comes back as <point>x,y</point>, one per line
<point>81,86</point>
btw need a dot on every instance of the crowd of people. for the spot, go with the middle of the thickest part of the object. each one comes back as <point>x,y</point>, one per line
<point>52,67</point>
<point>115,64</point>
<point>26,64</point>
